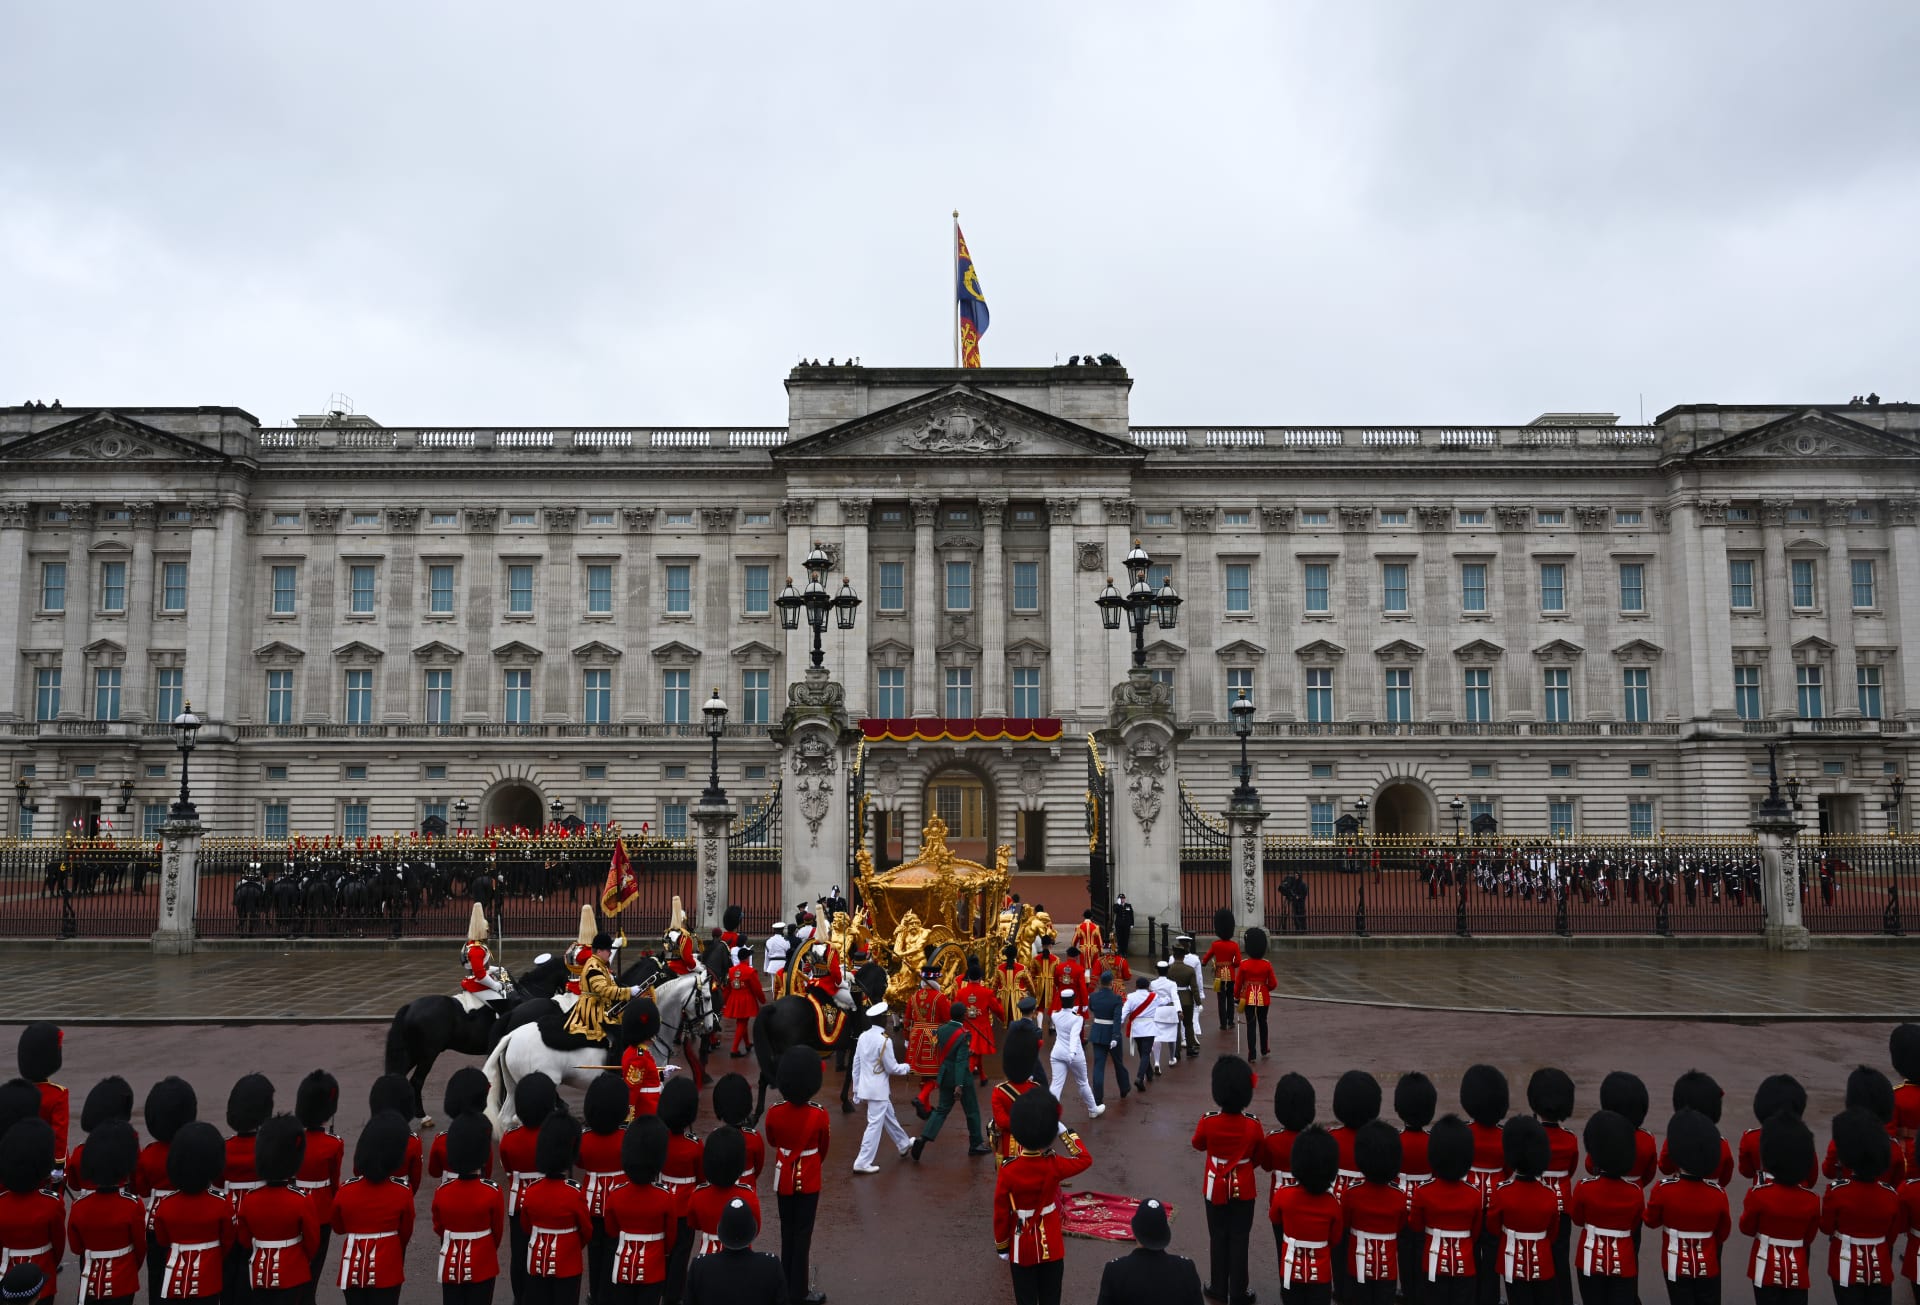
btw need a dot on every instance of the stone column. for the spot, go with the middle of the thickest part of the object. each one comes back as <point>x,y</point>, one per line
<point>397,703</point>
<point>1063,610</point>
<point>318,615</point>
<point>815,738</point>
<point>710,849</point>
<point>1780,882</point>
<point>1595,602</point>
<point>1903,598</point>
<point>1776,601</point>
<point>19,594</point>
<point>1202,585</point>
<point>853,665</point>
<point>993,610</point>
<point>925,603</point>
<point>479,685</point>
<point>1435,616</point>
<point>1142,741</point>
<point>142,582</point>
<point>1843,695</point>
<point>179,886</point>
<point>79,614</point>
<point>1249,859</point>
<point>1515,611</point>
<point>1278,593</point>
<point>558,701</point>
<point>1356,612</point>
<point>634,612</point>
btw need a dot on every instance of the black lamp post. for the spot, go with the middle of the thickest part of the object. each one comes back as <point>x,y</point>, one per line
<point>1793,781</point>
<point>460,810</point>
<point>1891,803</point>
<point>126,795</point>
<point>817,602</point>
<point>1140,603</point>
<point>22,788</point>
<point>1360,899</point>
<point>715,711</point>
<point>556,808</point>
<point>1240,714</point>
<point>185,726</point>
<point>1456,809</point>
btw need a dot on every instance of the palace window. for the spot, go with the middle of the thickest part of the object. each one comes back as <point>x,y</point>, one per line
<point>599,697</point>
<point>1808,685</point>
<point>360,590</point>
<point>1746,692</point>
<point>1559,694</point>
<point>757,598</point>
<point>173,586</point>
<point>1862,569</point>
<point>1400,695</point>
<point>169,693</point>
<point>359,697</point>
<point>519,697</point>
<point>756,695</point>
<point>1320,695</point>
<point>600,589</point>
<point>1633,587</point>
<point>106,693</point>
<point>520,590</point>
<point>286,588</point>
<point>1640,820</point>
<point>1479,694</point>
<point>113,586</point>
<point>1026,692</point>
<point>46,693</point>
<point>676,706</point>
<point>680,590</point>
<point>1473,586</point>
<point>53,586</point>
<point>893,586</point>
<point>890,692</point>
<point>959,586</point>
<point>279,697</point>
<point>1804,589</point>
<point>1634,693</point>
<point>1393,586</point>
<point>1740,583</point>
<point>1239,588</point>
<point>959,692</point>
<point>1553,587</point>
<point>1026,586</point>
<point>439,697</point>
<point>1867,682</point>
<point>1316,587</point>
<point>440,589</point>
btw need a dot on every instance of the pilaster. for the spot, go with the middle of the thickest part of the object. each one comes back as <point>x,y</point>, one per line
<point>136,702</point>
<point>179,887</point>
<point>925,604</point>
<point>1249,883</point>
<point>1843,695</point>
<point>993,609</point>
<point>74,690</point>
<point>815,737</point>
<point>1142,742</point>
<point>711,846</point>
<point>18,596</point>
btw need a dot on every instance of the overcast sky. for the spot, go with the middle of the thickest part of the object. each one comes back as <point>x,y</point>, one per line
<point>1273,213</point>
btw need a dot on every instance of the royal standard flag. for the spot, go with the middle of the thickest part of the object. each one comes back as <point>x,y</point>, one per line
<point>973,304</point>
<point>622,884</point>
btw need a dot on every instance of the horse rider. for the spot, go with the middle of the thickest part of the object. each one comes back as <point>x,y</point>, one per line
<point>575,957</point>
<point>820,964</point>
<point>601,995</point>
<point>680,957</point>
<point>482,975</point>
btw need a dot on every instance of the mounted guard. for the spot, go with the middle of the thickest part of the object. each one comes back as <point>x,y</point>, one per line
<point>602,996</point>
<point>576,956</point>
<point>680,956</point>
<point>483,981</point>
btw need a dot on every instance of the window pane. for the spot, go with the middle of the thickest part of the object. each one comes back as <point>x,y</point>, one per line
<point>520,590</point>
<point>1399,695</point>
<point>1807,682</point>
<point>283,590</point>
<point>890,692</point>
<point>1803,588</point>
<point>53,586</point>
<point>1393,582</point>
<point>353,820</point>
<point>1026,691</point>
<point>173,586</point>
<point>594,813</point>
<point>440,590</point>
<point>599,695</point>
<point>1867,679</point>
<point>360,586</point>
<point>757,600</point>
<point>959,693</point>
<point>1239,588</point>
<point>113,586</point>
<point>279,697</point>
<point>1473,587</point>
<point>169,693</point>
<point>439,697</point>
<point>1026,586</point>
<point>1746,692</point>
<point>1560,819</point>
<point>106,693</point>
<point>1316,586</point>
<point>1320,819</point>
<point>677,691</point>
<point>46,693</point>
<point>1559,695</point>
<point>680,589</point>
<point>1640,819</point>
<point>1633,597</point>
<point>959,586</point>
<point>1862,582</point>
<point>519,695</point>
<point>756,696</point>
<point>673,820</point>
<point>359,697</point>
<point>1479,689</point>
<point>1740,583</point>
<point>1553,587</point>
<point>1320,695</point>
<point>1634,687</point>
<point>274,820</point>
<point>893,586</point>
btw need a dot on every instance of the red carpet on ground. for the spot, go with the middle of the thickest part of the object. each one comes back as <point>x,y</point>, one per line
<point>1103,1216</point>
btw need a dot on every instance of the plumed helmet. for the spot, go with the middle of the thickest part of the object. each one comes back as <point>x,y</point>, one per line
<point>250,1103</point>
<point>1450,1148</point>
<point>19,1100</point>
<point>1483,1095</point>
<point>1777,1093</point>
<point>534,1098</point>
<point>1376,1151</point>
<point>171,1105</point>
<point>197,1158</point>
<point>640,1022</point>
<point>470,1143</point>
<point>1415,1099</point>
<point>1316,1159</point>
<point>732,1099</point>
<point>724,1157</point>
<point>477,924</point>
<point>1868,1089</point>
<point>279,1149</point>
<point>606,1105</point>
<point>1356,1098</point>
<point>1223,922</point>
<point>643,1152</point>
<point>1697,1090</point>
<point>1903,1048</point>
<point>1786,1148</point>
<point>1610,1143</point>
<point>316,1099</point>
<point>1524,1143</point>
<point>1294,1102</point>
<point>1035,1119</point>
<point>680,1102</point>
<point>558,1143</point>
<point>1550,1095</point>
<point>382,1148</point>
<point>1232,1084</point>
<point>1255,943</point>
<point>583,937</point>
<point>111,1152</point>
<point>110,1098</point>
<point>1693,1144</point>
<point>731,917</point>
<point>737,1227</point>
<point>1859,1140</point>
<point>39,1051</point>
<point>391,1092</point>
<point>1626,1095</point>
<point>466,1092</point>
<point>1020,1053</point>
<point>798,1074</point>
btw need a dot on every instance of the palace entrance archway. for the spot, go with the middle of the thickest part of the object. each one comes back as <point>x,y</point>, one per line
<point>514,803</point>
<point>1403,808</point>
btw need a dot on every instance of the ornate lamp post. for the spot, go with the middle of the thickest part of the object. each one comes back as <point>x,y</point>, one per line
<point>460,810</point>
<point>1360,899</point>
<point>126,795</point>
<point>715,711</point>
<point>1141,604</point>
<point>185,726</point>
<point>1240,713</point>
<point>1456,809</point>
<point>817,602</point>
<point>1891,803</point>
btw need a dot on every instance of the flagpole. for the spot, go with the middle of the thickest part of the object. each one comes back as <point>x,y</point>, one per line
<point>953,294</point>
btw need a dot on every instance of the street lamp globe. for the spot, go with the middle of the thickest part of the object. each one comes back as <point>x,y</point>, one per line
<point>789,602</point>
<point>845,603</point>
<point>1112,606</point>
<point>1166,604</point>
<point>715,710</point>
<point>1138,562</point>
<point>1240,713</point>
<point>185,726</point>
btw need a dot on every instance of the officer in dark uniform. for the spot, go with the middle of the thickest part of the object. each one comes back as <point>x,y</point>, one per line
<point>1148,1275</point>
<point>736,1274</point>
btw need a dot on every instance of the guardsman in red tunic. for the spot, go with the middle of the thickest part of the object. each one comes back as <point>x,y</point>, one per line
<point>1374,1211</point>
<point>1868,1089</point>
<point>1523,1214</point>
<point>1026,1198</point>
<point>927,1009</point>
<point>605,1113</point>
<point>478,973</point>
<point>981,1002</point>
<point>1223,958</point>
<point>1861,1215</point>
<point>1484,1095</point>
<point>275,1224</point>
<point>1780,1215</point>
<point>817,972</point>
<point>553,1216</point>
<point>1550,1097</point>
<point>1414,1100</point>
<point>469,1215</point>
<point>466,1094</point>
<point>680,956</point>
<point>171,1105</point>
<point>1692,1208</point>
<point>392,1092</point>
<point>1294,1105</point>
<point>733,1105</point>
<point>1356,1103</point>
<point>641,1217</point>
<point>534,1099</point>
<point>1233,1142</point>
<point>745,997</point>
<point>33,1225</point>
<point>1020,1058</point>
<point>1776,1093</point>
<point>1447,1214</point>
<point>109,1099</point>
<point>723,1159</point>
<point>730,926</point>
<point>1697,1091</point>
<point>1254,982</point>
<point>1626,1096</point>
<point>640,1025</point>
<point>797,1129</point>
<point>1307,1221</point>
<point>1910,1213</point>
<point>581,950</point>
<point>1607,1210</point>
<point>107,1228</point>
<point>373,1215</point>
<point>1070,975</point>
<point>192,1226</point>
<point>315,1102</point>
<point>1904,1044</point>
<point>679,1107</point>
<point>249,1105</point>
<point>40,1060</point>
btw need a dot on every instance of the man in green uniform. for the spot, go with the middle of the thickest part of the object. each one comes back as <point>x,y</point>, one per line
<point>954,1046</point>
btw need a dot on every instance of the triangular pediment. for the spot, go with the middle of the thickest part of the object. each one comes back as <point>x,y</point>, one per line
<point>1320,648</point>
<point>514,650</point>
<point>1399,650</point>
<point>1812,645</point>
<point>1558,650</point>
<point>594,650</point>
<point>102,647</point>
<point>1166,648</point>
<point>958,423</point>
<point>103,436</point>
<point>358,651</point>
<point>1638,650</point>
<point>434,650</point>
<point>1028,646</point>
<point>267,651</point>
<point>959,648</point>
<point>1812,434</point>
<point>891,647</point>
<point>675,651</point>
<point>753,648</point>
<point>1240,648</point>
<point>1479,650</point>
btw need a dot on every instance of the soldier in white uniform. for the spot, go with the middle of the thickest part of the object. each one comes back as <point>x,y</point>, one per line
<point>874,1069</point>
<point>1069,1056</point>
<point>1184,944</point>
<point>775,950</point>
<point>1166,1014</point>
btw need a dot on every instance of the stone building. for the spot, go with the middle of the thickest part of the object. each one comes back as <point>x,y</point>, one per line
<point>1572,624</point>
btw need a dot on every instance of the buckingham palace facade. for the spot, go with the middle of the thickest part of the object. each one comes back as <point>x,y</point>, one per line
<point>1573,625</point>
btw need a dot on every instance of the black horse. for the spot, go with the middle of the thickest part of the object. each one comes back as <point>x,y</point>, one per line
<point>791,1022</point>
<point>428,1026</point>
<point>250,901</point>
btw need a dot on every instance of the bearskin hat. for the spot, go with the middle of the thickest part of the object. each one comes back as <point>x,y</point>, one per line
<point>171,1105</point>
<point>724,1157</point>
<point>1550,1095</point>
<point>1035,1119</point>
<point>798,1074</point>
<point>606,1106</point>
<point>1860,1142</point>
<point>391,1092</point>
<point>467,1091</point>
<point>1255,943</point>
<point>1232,1084</point>
<point>1377,1151</point>
<point>1223,923</point>
<point>644,1150</point>
<point>640,1022</point>
<point>316,1099</point>
<point>112,1150</point>
<point>1693,1144</point>
<point>198,1157</point>
<point>250,1103</point>
<point>1903,1048</point>
<point>730,919</point>
<point>382,1149</point>
<point>110,1098</point>
<point>1450,1148</point>
<point>1293,1102</point>
<point>1020,1053</point>
<point>1356,1098</point>
<point>1415,1099</point>
<point>39,1051</point>
<point>1524,1143</point>
<point>1610,1143</point>
<point>1316,1159</point>
<point>1484,1095</point>
<point>732,1099</point>
<point>1777,1093</point>
<point>1868,1089</point>
<point>19,1100</point>
<point>279,1148</point>
<point>1626,1095</point>
<point>974,973</point>
<point>534,1098</point>
<point>1697,1090</point>
<point>680,1102</point>
<point>470,1143</point>
<point>1786,1148</point>
<point>557,1145</point>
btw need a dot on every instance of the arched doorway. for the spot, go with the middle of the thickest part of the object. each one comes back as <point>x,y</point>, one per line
<point>964,800</point>
<point>514,803</point>
<point>1403,808</point>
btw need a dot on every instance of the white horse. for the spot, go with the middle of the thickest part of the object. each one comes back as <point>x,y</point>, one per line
<point>686,1009</point>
